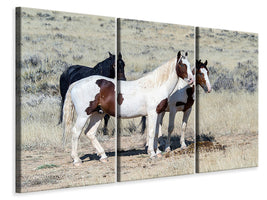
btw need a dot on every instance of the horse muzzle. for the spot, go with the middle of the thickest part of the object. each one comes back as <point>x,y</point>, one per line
<point>189,80</point>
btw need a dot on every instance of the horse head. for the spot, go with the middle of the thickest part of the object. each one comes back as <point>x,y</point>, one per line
<point>183,68</point>
<point>202,75</point>
<point>120,68</point>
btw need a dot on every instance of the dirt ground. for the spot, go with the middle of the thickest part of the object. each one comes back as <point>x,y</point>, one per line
<point>53,169</point>
<point>228,152</point>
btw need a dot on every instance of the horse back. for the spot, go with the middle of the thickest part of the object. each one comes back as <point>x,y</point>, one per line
<point>78,72</point>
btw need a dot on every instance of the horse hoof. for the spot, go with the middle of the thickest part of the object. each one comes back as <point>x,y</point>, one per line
<point>168,149</point>
<point>104,160</point>
<point>153,155</point>
<point>159,155</point>
<point>77,164</point>
<point>183,147</point>
<point>152,159</point>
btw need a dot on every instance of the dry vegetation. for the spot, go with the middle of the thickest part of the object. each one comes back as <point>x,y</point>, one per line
<point>51,41</point>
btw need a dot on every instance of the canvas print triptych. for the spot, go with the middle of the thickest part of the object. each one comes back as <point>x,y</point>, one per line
<point>104,100</point>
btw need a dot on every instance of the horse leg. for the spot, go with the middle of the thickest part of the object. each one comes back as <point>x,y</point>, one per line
<point>152,140</point>
<point>184,124</point>
<point>91,134</point>
<point>105,129</point>
<point>143,122</point>
<point>76,132</point>
<point>160,136</point>
<point>170,128</point>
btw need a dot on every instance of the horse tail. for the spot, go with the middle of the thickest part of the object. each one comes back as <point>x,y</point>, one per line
<point>61,110</point>
<point>63,85</point>
<point>143,122</point>
<point>68,115</point>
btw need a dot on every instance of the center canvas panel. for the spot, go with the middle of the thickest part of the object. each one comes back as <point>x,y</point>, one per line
<point>154,56</point>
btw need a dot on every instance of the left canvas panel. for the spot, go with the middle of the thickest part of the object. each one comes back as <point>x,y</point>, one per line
<point>55,53</point>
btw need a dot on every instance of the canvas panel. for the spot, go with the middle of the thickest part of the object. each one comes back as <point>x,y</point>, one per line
<point>227,117</point>
<point>48,42</point>
<point>144,47</point>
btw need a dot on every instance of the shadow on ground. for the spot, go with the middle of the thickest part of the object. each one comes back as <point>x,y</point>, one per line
<point>175,144</point>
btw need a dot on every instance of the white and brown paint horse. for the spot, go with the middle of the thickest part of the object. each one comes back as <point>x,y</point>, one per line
<point>146,96</point>
<point>182,99</point>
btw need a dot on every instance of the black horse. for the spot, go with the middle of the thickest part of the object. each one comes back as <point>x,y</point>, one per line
<point>76,72</point>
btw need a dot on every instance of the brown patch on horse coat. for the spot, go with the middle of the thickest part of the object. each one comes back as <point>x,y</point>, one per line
<point>105,98</point>
<point>190,100</point>
<point>162,106</point>
<point>120,99</point>
<point>93,105</point>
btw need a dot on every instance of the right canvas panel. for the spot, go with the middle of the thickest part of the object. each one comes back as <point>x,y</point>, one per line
<point>227,100</point>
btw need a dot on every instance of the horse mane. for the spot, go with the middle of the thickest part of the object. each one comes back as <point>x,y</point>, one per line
<point>158,76</point>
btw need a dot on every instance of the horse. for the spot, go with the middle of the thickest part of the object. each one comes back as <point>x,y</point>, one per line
<point>77,72</point>
<point>182,99</point>
<point>146,96</point>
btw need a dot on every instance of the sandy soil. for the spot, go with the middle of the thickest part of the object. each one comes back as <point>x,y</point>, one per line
<point>53,169</point>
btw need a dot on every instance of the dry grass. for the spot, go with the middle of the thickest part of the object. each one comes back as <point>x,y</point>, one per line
<point>145,45</point>
<point>39,124</point>
<point>50,42</point>
<point>225,48</point>
<point>227,113</point>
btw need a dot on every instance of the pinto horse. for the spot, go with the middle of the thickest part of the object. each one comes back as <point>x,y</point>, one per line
<point>78,72</point>
<point>182,99</point>
<point>146,96</point>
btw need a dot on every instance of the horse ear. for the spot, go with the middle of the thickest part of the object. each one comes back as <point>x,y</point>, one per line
<point>119,56</point>
<point>178,55</point>
<point>109,54</point>
<point>206,62</point>
<point>186,54</point>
